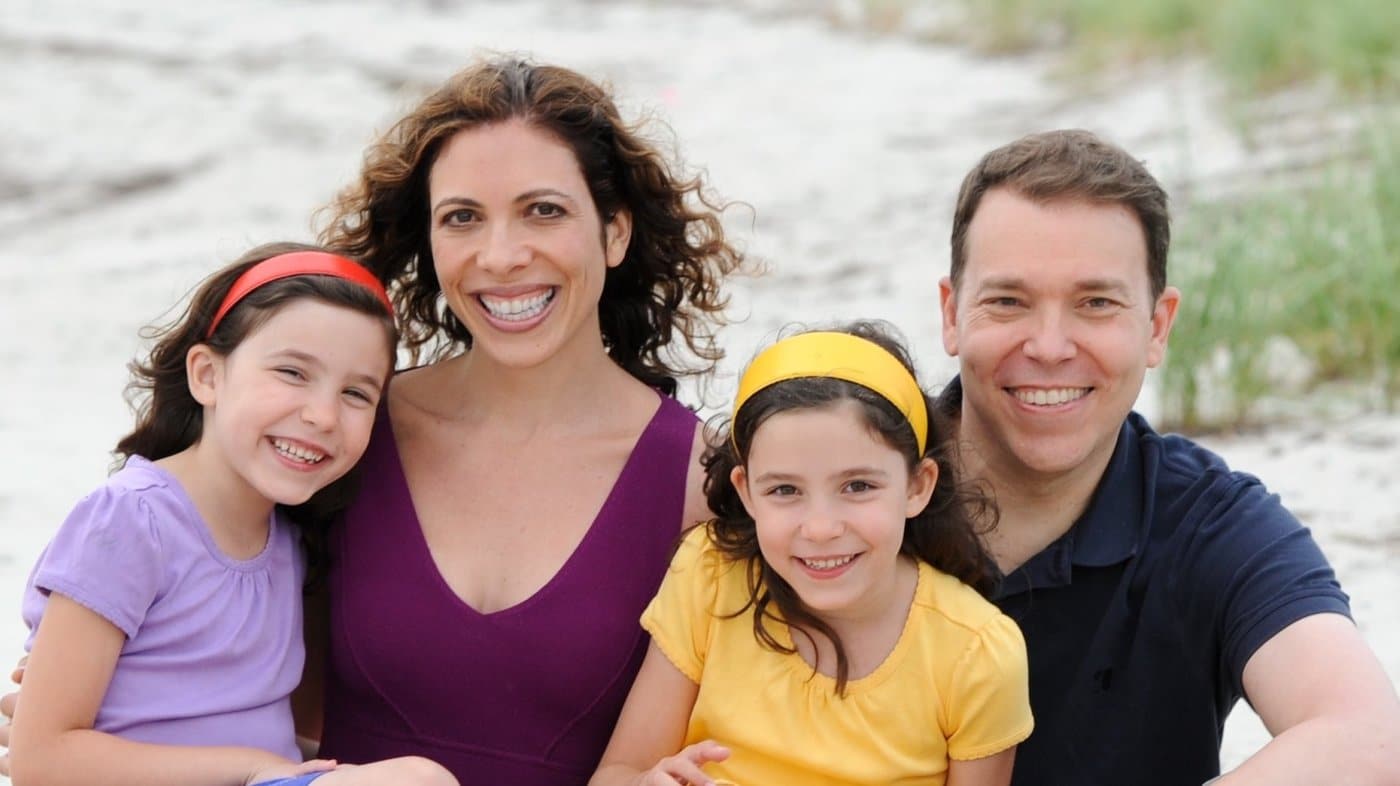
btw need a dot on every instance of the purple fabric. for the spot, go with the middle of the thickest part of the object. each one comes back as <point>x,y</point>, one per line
<point>527,695</point>
<point>213,645</point>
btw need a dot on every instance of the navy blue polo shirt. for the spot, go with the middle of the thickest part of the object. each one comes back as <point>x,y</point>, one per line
<point>1140,619</point>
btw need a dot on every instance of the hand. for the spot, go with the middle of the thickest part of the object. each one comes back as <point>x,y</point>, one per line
<point>289,770</point>
<point>7,709</point>
<point>684,767</point>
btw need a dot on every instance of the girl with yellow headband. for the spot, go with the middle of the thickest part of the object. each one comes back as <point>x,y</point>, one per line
<point>166,615</point>
<point>828,626</point>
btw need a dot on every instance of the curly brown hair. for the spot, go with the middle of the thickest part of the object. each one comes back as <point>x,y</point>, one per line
<point>945,534</point>
<point>669,280</point>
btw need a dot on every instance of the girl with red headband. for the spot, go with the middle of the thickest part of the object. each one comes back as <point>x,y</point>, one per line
<point>165,615</point>
<point>826,626</point>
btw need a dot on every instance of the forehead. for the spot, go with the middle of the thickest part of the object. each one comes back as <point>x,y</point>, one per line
<point>312,325</point>
<point>510,153</point>
<point>1011,236</point>
<point>812,434</point>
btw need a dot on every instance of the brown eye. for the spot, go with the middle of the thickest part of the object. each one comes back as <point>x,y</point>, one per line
<point>458,217</point>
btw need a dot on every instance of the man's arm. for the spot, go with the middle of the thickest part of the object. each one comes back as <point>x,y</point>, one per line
<point>1329,705</point>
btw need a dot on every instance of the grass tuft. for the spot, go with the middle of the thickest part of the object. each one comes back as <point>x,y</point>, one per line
<point>1313,268</point>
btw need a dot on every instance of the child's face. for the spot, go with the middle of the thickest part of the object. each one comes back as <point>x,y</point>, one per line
<point>830,498</point>
<point>291,408</point>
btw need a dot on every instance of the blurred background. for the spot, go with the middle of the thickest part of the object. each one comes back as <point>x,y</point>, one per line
<point>145,143</point>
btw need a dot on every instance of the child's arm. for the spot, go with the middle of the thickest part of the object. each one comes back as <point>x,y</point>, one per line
<point>652,728</point>
<point>53,743</point>
<point>994,770</point>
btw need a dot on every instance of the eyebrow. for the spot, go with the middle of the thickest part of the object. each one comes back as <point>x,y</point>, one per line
<point>774,477</point>
<point>533,193</point>
<point>311,360</point>
<point>1083,285</point>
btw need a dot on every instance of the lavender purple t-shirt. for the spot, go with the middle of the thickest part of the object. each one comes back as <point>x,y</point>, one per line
<point>213,645</point>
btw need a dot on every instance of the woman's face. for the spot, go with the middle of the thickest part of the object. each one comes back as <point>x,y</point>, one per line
<point>518,245</point>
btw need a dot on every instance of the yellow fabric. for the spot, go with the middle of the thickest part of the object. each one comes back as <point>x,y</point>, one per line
<point>839,356</point>
<point>955,684</point>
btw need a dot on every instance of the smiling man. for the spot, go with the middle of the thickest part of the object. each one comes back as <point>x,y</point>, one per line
<point>1155,586</point>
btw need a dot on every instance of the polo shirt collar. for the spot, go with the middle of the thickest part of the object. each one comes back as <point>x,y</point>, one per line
<point>1111,527</point>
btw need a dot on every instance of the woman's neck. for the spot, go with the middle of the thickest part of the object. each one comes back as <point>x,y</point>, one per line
<point>564,391</point>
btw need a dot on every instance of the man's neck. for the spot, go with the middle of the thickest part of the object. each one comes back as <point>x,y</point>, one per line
<point>1035,509</point>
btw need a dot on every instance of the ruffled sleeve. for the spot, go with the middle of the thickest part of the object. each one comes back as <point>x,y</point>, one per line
<point>680,617</point>
<point>106,557</point>
<point>989,710</point>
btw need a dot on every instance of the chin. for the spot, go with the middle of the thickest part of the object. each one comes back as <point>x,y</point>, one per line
<point>1054,459</point>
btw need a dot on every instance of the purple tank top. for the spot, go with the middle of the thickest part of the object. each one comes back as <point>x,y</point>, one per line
<point>527,695</point>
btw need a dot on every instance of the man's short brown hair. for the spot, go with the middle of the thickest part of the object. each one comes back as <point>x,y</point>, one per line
<point>1068,164</point>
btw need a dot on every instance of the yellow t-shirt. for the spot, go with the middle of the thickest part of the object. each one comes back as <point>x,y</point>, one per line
<point>953,686</point>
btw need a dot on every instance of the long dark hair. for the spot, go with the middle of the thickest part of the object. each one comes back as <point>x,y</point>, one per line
<point>668,282</point>
<point>945,534</point>
<point>169,419</point>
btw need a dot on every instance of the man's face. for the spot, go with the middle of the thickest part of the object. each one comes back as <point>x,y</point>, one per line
<point>1054,326</point>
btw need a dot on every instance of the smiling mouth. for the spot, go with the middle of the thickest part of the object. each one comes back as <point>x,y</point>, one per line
<point>828,563</point>
<point>1052,397</point>
<point>517,309</point>
<point>297,453</point>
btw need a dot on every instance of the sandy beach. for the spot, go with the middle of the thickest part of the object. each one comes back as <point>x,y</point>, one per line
<point>147,143</point>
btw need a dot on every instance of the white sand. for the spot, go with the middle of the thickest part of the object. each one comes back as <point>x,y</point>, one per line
<point>147,142</point>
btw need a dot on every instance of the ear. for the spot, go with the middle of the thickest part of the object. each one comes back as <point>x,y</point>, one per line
<point>616,237</point>
<point>948,304</point>
<point>739,477</point>
<point>1163,317</point>
<point>921,484</point>
<point>203,368</point>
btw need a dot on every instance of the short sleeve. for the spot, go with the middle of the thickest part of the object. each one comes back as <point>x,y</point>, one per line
<point>680,616</point>
<point>1253,571</point>
<point>105,557</point>
<point>989,706</point>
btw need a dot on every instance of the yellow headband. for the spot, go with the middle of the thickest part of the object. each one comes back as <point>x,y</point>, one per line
<point>838,356</point>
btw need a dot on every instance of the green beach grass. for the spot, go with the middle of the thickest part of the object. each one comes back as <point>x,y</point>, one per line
<point>1290,289</point>
<point>1257,45</point>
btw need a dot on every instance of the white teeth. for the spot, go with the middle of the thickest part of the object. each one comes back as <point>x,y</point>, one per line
<point>518,309</point>
<point>828,564</point>
<point>1050,398</point>
<point>298,453</point>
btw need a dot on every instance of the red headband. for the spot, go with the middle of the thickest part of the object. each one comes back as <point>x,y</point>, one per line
<point>299,263</point>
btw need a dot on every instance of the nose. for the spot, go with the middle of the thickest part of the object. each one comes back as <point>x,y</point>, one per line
<point>502,250</point>
<point>1050,339</point>
<point>321,410</point>
<point>823,522</point>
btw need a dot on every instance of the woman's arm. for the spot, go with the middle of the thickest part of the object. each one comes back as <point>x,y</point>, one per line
<point>644,746</point>
<point>7,711</point>
<point>994,770</point>
<point>53,743</point>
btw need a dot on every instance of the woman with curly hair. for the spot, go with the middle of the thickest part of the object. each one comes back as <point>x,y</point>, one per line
<point>524,488</point>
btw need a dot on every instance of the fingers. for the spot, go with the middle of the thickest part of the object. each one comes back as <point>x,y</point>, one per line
<point>684,767</point>
<point>316,765</point>
<point>7,706</point>
<point>18,674</point>
<point>705,751</point>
